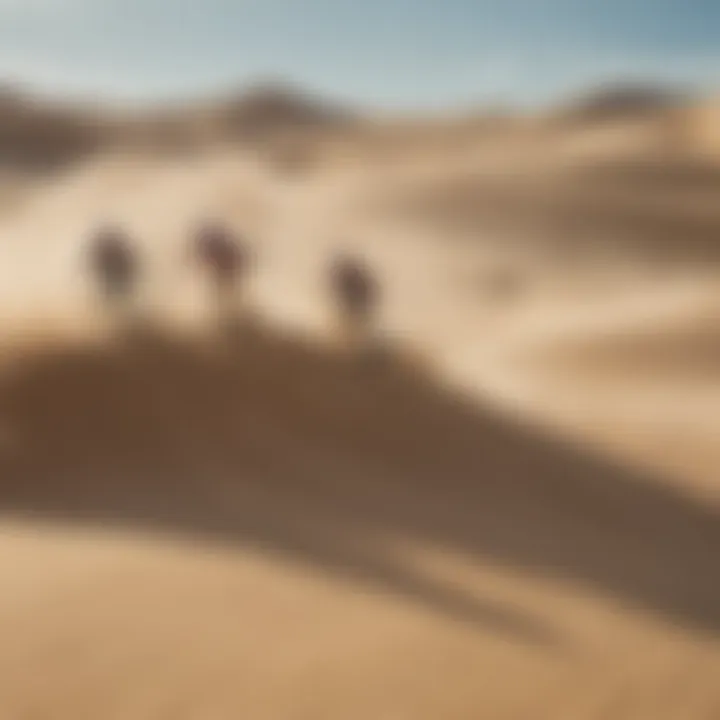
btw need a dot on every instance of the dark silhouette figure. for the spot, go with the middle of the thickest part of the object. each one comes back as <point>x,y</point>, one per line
<point>226,260</point>
<point>114,265</point>
<point>355,292</point>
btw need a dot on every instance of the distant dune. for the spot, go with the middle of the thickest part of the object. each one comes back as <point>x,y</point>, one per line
<point>44,134</point>
<point>625,101</point>
<point>39,133</point>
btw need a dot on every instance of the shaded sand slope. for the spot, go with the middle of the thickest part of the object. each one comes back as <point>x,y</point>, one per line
<point>649,388</point>
<point>275,444</point>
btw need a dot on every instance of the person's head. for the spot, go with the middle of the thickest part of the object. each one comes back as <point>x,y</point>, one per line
<point>342,256</point>
<point>213,232</point>
<point>347,261</point>
<point>107,229</point>
<point>110,237</point>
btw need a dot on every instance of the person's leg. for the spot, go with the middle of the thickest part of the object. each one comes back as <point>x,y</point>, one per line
<point>119,291</point>
<point>225,295</point>
<point>352,323</point>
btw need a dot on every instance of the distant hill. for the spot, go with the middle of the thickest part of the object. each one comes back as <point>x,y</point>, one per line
<point>37,133</point>
<point>41,134</point>
<point>276,107</point>
<point>624,101</point>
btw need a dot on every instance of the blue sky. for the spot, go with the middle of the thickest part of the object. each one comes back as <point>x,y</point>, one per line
<point>394,54</point>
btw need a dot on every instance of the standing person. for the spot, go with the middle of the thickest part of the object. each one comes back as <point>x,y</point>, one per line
<point>225,259</point>
<point>114,265</point>
<point>355,292</point>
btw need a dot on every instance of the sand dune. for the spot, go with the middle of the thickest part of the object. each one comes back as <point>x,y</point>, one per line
<point>263,525</point>
<point>450,530</point>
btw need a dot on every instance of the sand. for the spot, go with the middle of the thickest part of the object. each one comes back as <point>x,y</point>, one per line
<point>261,525</point>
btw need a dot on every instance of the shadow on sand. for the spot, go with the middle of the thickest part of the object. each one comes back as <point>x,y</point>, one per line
<point>269,442</point>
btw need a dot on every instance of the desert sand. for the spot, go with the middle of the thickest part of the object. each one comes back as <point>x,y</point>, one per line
<point>508,509</point>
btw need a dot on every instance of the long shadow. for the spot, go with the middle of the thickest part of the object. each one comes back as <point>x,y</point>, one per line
<point>270,442</point>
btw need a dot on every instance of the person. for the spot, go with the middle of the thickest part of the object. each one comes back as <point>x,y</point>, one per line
<point>114,264</point>
<point>355,292</point>
<point>225,258</point>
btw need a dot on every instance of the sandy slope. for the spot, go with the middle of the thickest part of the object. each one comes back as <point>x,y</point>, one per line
<point>267,528</point>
